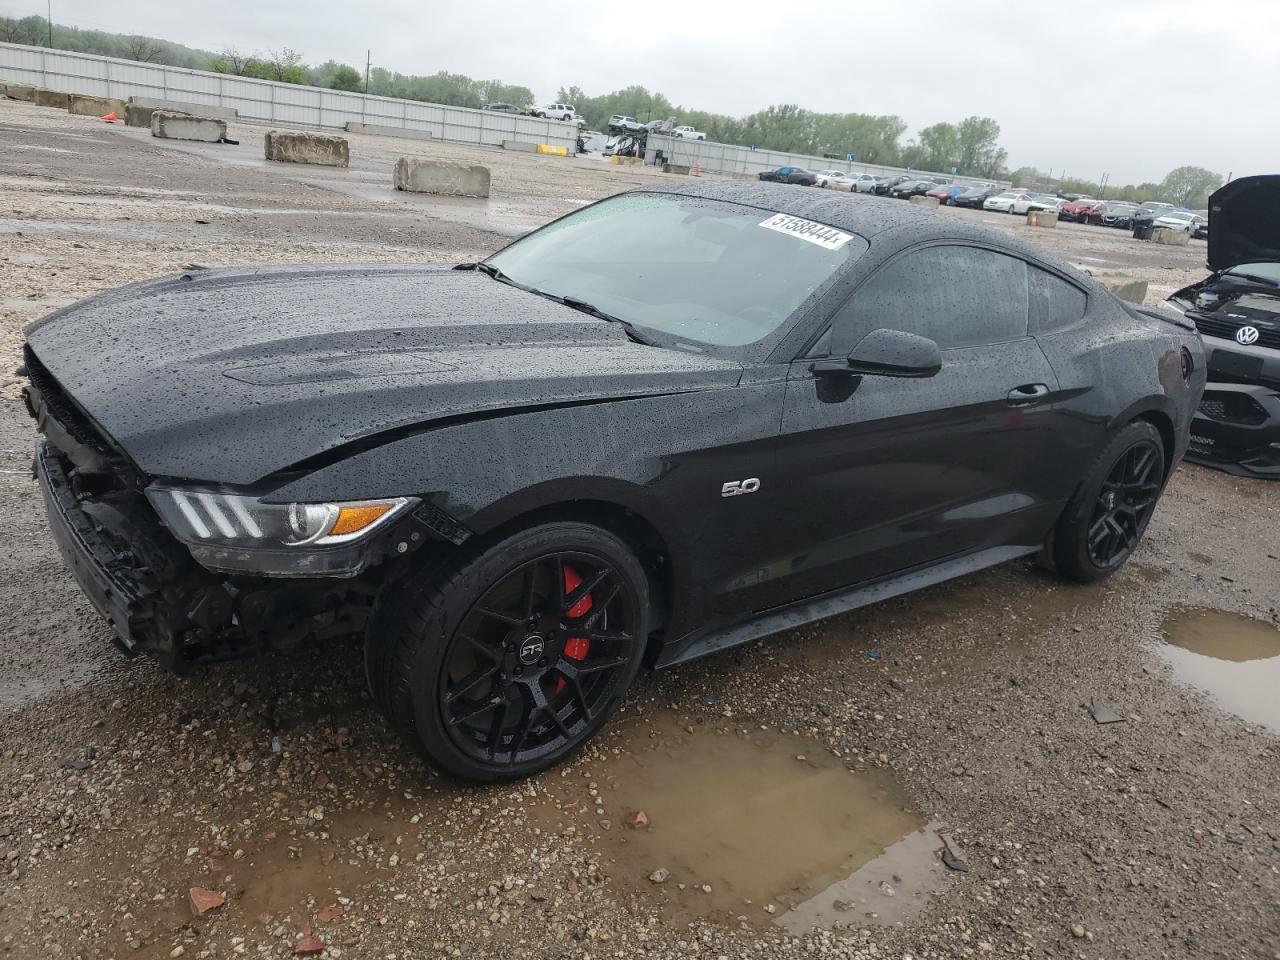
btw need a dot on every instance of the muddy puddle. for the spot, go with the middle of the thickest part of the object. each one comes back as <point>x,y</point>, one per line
<point>1233,658</point>
<point>748,824</point>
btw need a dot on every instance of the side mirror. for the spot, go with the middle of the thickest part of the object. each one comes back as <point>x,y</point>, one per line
<point>887,353</point>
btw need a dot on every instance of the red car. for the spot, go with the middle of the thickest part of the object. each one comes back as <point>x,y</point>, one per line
<point>1081,210</point>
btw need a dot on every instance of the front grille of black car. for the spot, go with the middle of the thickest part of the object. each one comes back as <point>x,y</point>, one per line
<point>1232,408</point>
<point>1226,329</point>
<point>58,405</point>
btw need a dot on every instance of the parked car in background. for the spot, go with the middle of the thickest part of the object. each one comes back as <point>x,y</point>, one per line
<point>835,178</point>
<point>864,182</point>
<point>1045,201</point>
<point>624,124</point>
<point>798,175</point>
<point>687,132</point>
<point>946,193</point>
<point>1078,210</point>
<point>556,111</point>
<point>1118,214</point>
<point>885,184</point>
<point>1183,220</point>
<point>911,188</point>
<point>1010,201</point>
<point>1201,231</point>
<point>503,108</point>
<point>975,196</point>
<point>1237,311</point>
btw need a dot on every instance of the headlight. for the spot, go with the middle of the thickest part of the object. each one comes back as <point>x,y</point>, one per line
<point>233,532</point>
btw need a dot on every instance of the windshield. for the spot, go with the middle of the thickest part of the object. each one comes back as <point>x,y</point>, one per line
<point>1264,271</point>
<point>706,272</point>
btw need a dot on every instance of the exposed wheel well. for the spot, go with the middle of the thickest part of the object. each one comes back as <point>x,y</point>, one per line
<point>634,529</point>
<point>1163,424</point>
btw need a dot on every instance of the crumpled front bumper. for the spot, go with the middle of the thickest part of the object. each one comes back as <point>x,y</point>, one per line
<point>1237,429</point>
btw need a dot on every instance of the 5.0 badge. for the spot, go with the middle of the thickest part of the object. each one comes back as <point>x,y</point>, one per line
<point>736,488</point>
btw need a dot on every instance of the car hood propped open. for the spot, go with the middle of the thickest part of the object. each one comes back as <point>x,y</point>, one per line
<point>230,376</point>
<point>1244,222</point>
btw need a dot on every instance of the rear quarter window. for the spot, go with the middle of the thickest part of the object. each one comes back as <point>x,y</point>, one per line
<point>1053,302</point>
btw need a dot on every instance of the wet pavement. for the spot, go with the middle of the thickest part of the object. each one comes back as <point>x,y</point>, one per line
<point>961,710</point>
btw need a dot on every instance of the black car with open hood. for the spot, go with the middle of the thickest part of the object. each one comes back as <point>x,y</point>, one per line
<point>1237,311</point>
<point>673,421</point>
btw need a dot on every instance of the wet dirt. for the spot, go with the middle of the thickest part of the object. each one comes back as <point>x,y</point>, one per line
<point>1233,658</point>
<point>746,822</point>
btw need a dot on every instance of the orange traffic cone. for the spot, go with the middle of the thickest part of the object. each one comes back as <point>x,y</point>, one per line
<point>697,169</point>
<point>111,118</point>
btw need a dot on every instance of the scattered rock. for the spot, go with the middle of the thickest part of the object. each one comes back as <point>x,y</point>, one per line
<point>329,914</point>
<point>1078,932</point>
<point>661,875</point>
<point>203,900</point>
<point>638,820</point>
<point>307,944</point>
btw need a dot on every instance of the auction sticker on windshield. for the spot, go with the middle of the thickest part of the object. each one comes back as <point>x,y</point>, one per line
<point>819,233</point>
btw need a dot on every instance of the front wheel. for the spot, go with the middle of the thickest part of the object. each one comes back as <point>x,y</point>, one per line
<point>506,661</point>
<point>1105,520</point>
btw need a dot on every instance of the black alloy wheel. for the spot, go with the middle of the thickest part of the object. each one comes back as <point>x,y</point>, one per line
<point>1124,505</point>
<point>1107,516</point>
<point>537,658</point>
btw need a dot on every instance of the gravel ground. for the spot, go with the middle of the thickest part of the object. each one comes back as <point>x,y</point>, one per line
<point>276,785</point>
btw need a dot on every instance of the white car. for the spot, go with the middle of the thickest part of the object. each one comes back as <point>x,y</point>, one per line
<point>835,178</point>
<point>863,182</point>
<point>688,133</point>
<point>1183,220</point>
<point>1051,204</point>
<point>1011,201</point>
<point>626,124</point>
<point>556,111</point>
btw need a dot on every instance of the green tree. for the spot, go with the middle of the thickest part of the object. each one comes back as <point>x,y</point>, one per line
<point>346,78</point>
<point>1190,186</point>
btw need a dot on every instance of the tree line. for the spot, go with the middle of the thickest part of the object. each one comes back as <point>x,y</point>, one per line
<point>969,146</point>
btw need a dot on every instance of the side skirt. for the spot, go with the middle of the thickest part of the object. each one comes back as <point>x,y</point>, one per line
<point>841,601</point>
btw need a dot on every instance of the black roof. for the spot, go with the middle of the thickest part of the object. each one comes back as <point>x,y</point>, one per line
<point>875,218</point>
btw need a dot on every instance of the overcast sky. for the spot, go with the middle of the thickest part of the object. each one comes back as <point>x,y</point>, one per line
<point>1132,87</point>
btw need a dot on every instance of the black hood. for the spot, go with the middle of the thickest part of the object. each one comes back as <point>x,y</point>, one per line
<point>1244,222</point>
<point>229,376</point>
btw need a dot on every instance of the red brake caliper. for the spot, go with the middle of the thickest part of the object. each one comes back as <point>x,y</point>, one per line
<point>575,648</point>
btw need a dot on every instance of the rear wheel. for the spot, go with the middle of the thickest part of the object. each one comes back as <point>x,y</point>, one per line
<point>1105,520</point>
<point>509,659</point>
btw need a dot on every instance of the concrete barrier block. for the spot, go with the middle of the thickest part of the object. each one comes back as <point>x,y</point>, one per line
<point>380,130</point>
<point>1134,291</point>
<point>49,98</point>
<point>923,201</point>
<point>520,146</point>
<point>449,177</point>
<point>19,91</point>
<point>182,126</point>
<point>1041,218</point>
<point>551,150</point>
<point>85,106</point>
<point>179,106</point>
<point>317,148</point>
<point>136,116</point>
<point>676,168</point>
<point>1170,237</point>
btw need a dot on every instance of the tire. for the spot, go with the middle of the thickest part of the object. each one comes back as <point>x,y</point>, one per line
<point>545,696</point>
<point>1123,486</point>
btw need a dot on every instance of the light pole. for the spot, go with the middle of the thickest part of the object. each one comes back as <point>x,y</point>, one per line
<point>49,20</point>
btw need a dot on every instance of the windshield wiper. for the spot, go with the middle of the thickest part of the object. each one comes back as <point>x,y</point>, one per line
<point>594,311</point>
<point>1265,281</point>
<point>491,270</point>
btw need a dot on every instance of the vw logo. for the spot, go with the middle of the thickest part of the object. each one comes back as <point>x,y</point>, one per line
<point>531,650</point>
<point>1247,335</point>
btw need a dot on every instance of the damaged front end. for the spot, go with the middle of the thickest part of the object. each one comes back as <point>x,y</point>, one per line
<point>146,581</point>
<point>1237,429</point>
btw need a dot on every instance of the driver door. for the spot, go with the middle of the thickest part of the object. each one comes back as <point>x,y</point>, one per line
<point>890,473</point>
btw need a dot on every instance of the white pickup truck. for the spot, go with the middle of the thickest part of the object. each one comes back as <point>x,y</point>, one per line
<point>688,133</point>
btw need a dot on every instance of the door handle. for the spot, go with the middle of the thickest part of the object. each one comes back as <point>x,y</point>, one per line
<point>1027,394</point>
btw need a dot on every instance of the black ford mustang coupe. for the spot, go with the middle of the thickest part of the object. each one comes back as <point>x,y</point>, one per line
<point>672,421</point>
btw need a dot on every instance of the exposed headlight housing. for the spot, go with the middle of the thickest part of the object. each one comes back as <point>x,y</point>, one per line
<point>237,533</point>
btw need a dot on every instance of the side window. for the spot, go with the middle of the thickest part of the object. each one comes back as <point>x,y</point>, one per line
<point>1054,303</point>
<point>958,296</point>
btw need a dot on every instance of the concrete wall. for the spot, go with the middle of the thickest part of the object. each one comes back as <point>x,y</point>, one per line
<point>279,103</point>
<point>182,126</point>
<point>379,130</point>
<point>83,106</point>
<point>730,158</point>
